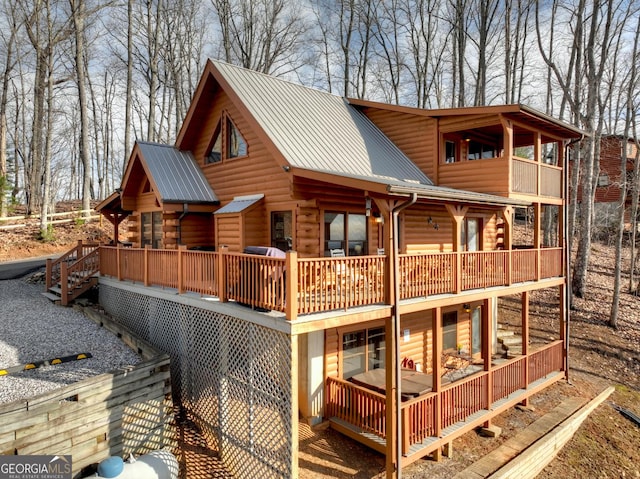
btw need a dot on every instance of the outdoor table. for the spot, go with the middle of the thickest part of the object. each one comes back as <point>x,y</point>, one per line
<point>413,383</point>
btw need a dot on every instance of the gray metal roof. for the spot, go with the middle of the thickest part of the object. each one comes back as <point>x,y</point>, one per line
<point>176,174</point>
<point>319,131</point>
<point>239,203</point>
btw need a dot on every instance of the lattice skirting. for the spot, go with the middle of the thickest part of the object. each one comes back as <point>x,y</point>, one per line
<point>232,375</point>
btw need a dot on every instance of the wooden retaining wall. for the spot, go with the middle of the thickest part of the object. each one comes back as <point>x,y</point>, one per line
<point>128,410</point>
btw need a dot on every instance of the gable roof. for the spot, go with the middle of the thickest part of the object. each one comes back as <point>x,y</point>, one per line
<point>315,130</point>
<point>174,174</point>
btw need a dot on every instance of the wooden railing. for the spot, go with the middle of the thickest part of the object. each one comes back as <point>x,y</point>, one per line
<point>356,405</point>
<point>535,178</point>
<point>484,269</point>
<point>257,281</point>
<point>545,360</point>
<point>365,409</point>
<point>463,398</point>
<point>508,378</point>
<point>324,284</point>
<point>53,267</point>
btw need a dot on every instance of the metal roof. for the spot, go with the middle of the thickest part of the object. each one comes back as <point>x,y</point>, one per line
<point>176,174</point>
<point>315,130</point>
<point>239,203</point>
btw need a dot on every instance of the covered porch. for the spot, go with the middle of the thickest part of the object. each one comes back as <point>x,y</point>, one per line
<point>453,406</point>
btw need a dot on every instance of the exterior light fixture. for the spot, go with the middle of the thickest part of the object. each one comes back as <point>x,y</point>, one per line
<point>466,307</point>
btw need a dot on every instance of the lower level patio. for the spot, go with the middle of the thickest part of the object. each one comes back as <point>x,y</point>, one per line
<point>435,418</point>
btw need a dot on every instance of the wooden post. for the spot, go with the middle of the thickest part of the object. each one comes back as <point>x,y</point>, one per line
<point>222,275</point>
<point>119,260</point>
<point>537,237</point>
<point>146,264</point>
<point>457,213</point>
<point>436,360</point>
<point>48,275</point>
<point>507,147</point>
<point>291,286</point>
<point>487,344</point>
<point>181,249</point>
<point>64,284</point>
<point>293,413</point>
<point>525,340</point>
<point>563,333</point>
<point>507,217</point>
<point>537,154</point>
<point>391,461</point>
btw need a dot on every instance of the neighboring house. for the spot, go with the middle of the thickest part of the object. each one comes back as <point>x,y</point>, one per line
<point>398,225</point>
<point>613,148</point>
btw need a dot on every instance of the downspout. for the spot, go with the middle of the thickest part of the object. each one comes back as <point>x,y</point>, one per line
<point>567,251</point>
<point>396,325</point>
<point>185,212</point>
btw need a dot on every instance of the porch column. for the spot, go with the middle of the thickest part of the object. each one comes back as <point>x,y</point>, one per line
<point>507,148</point>
<point>311,376</point>
<point>293,417</point>
<point>488,317</point>
<point>537,155</point>
<point>457,213</point>
<point>436,360</point>
<point>537,236</point>
<point>564,291</point>
<point>525,341</point>
<point>391,459</point>
<point>507,217</point>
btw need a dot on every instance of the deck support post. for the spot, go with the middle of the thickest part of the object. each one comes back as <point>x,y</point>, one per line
<point>222,275</point>
<point>525,341</point>
<point>537,237</point>
<point>457,213</point>
<point>291,285</point>
<point>487,345</point>
<point>119,260</point>
<point>181,249</point>
<point>146,264</point>
<point>436,365</point>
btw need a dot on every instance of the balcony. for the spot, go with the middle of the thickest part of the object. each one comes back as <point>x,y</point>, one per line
<point>490,175</point>
<point>299,286</point>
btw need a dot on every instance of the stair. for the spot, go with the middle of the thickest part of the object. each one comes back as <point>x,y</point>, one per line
<point>77,273</point>
<point>511,343</point>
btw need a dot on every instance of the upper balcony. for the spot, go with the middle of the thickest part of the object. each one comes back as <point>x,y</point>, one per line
<point>302,286</point>
<point>500,156</point>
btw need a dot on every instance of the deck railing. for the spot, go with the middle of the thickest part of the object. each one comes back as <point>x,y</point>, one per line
<point>365,409</point>
<point>311,285</point>
<point>356,405</point>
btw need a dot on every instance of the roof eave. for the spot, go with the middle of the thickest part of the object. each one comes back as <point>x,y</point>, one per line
<point>458,196</point>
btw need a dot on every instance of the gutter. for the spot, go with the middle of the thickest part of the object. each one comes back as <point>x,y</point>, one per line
<point>567,251</point>
<point>396,328</point>
<point>440,193</point>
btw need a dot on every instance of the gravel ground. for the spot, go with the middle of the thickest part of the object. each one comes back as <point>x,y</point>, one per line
<point>32,328</point>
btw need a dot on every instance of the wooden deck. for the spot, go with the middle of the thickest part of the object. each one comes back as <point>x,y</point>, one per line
<point>461,405</point>
<point>301,286</point>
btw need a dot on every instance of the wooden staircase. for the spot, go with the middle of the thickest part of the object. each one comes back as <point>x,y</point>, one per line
<point>72,274</point>
<point>510,342</point>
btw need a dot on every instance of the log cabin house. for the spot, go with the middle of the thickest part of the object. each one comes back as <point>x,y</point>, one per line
<point>401,238</point>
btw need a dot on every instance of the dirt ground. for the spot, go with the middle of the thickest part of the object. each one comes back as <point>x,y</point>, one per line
<point>606,446</point>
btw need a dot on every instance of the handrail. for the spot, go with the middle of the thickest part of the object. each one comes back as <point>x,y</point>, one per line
<point>52,275</point>
<point>75,278</point>
<point>315,285</point>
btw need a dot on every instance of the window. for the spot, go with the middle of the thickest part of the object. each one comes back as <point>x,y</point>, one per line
<point>450,151</point>
<point>477,150</point>
<point>471,234</point>
<point>346,231</point>
<point>281,230</point>
<point>603,180</point>
<point>362,351</point>
<point>450,330</point>
<point>151,229</point>
<point>215,155</point>
<point>234,144</point>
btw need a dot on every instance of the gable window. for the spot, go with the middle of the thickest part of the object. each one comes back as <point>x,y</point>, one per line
<point>362,351</point>
<point>345,231</point>
<point>151,229</point>
<point>227,142</point>
<point>215,155</point>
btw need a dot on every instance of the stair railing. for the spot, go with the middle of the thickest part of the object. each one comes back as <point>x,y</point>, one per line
<point>78,277</point>
<point>53,271</point>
